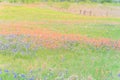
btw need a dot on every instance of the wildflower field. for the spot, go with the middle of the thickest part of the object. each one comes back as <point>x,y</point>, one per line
<point>44,44</point>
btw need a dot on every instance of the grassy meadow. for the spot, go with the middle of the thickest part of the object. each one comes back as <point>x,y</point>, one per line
<point>25,55</point>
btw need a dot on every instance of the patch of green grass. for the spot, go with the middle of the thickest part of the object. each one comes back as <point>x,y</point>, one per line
<point>64,5</point>
<point>79,61</point>
<point>20,13</point>
<point>111,4</point>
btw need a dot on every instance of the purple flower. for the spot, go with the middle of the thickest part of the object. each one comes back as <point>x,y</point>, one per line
<point>6,71</point>
<point>32,78</point>
<point>22,75</point>
<point>119,75</point>
<point>15,75</point>
<point>0,71</point>
<point>14,50</point>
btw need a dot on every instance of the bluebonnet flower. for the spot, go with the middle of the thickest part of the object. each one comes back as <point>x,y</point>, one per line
<point>0,71</point>
<point>14,50</point>
<point>119,75</point>
<point>6,71</point>
<point>15,75</point>
<point>22,75</point>
<point>27,46</point>
<point>32,78</point>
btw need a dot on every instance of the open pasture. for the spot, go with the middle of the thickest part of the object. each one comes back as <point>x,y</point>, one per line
<point>44,44</point>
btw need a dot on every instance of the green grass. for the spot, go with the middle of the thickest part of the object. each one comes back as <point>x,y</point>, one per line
<point>107,27</point>
<point>34,14</point>
<point>78,61</point>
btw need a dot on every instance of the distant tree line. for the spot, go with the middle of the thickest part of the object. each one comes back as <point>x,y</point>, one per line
<point>32,1</point>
